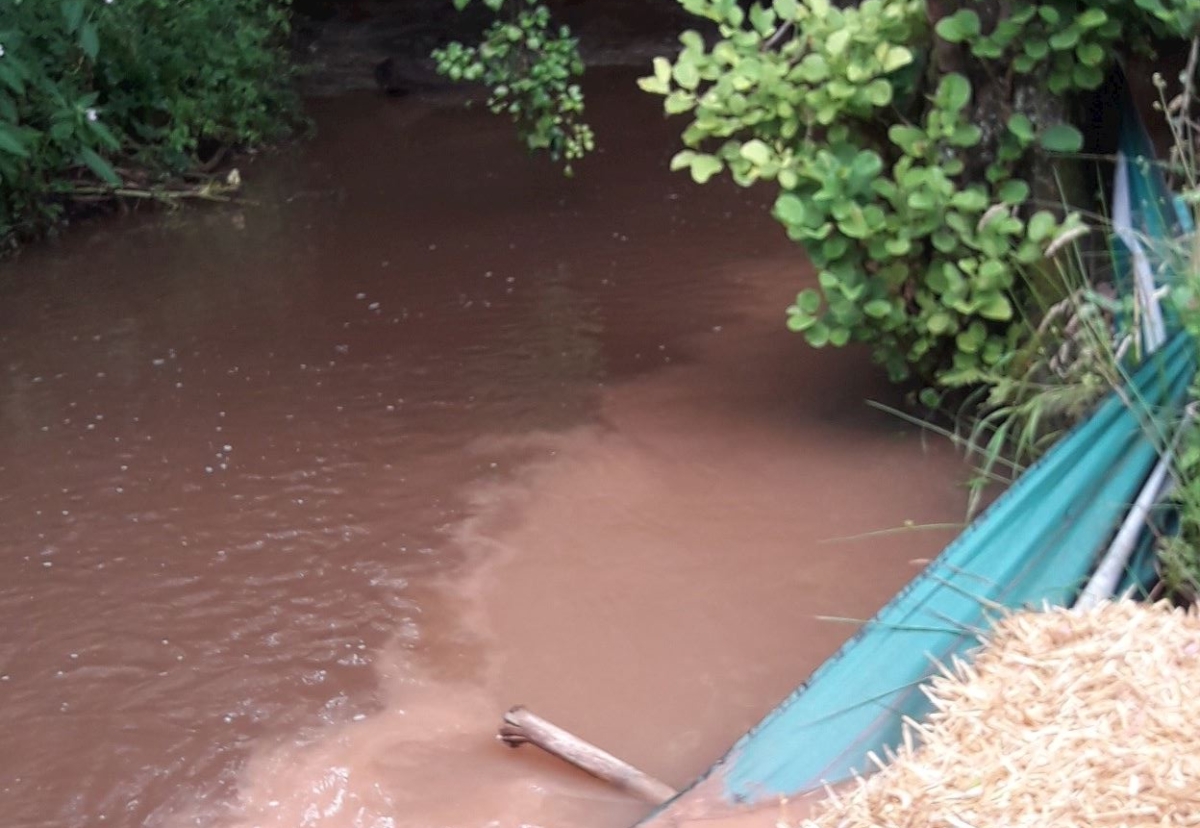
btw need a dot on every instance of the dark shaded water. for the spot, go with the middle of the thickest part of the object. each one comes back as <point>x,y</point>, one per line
<point>300,495</point>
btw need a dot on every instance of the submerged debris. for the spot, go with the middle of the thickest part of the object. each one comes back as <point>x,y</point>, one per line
<point>1064,719</point>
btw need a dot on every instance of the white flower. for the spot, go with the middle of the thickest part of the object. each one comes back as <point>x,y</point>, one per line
<point>92,114</point>
<point>1,50</point>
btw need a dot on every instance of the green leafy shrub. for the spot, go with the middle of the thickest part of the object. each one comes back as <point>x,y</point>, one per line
<point>94,91</point>
<point>909,152</point>
<point>1179,551</point>
<point>530,71</point>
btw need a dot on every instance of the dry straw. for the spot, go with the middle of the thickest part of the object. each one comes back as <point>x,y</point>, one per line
<point>1063,719</point>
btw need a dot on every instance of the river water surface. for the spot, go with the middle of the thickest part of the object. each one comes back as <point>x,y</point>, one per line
<point>300,495</point>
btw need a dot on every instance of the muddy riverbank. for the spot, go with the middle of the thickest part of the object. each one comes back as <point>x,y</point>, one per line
<point>300,494</point>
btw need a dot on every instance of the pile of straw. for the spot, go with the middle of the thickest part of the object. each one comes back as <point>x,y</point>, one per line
<point>1063,719</point>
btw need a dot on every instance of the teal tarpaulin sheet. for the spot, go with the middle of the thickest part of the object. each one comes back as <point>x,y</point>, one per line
<point>1035,545</point>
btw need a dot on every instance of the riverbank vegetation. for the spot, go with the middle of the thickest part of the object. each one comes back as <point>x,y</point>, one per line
<point>101,99</point>
<point>531,69</point>
<point>921,151</point>
<point>1179,551</point>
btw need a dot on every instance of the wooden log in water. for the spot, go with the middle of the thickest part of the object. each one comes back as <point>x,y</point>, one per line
<point>521,726</point>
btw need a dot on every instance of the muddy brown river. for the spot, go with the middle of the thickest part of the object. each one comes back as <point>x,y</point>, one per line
<point>299,495</point>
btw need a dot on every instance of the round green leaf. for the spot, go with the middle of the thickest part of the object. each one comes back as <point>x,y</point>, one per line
<point>939,322</point>
<point>921,200</point>
<point>1036,48</point>
<point>705,167</point>
<point>682,159</point>
<point>971,340</point>
<point>944,241</point>
<point>679,102</point>
<point>1013,191</point>
<point>892,58</point>
<point>1024,64</point>
<point>798,322</point>
<point>1065,39</point>
<point>960,26</point>
<point>966,135</point>
<point>1020,126</point>
<point>1041,225</point>
<point>954,91</point>
<point>866,164</point>
<point>789,209</point>
<point>1087,77</point>
<point>756,152</point>
<point>988,49</point>
<point>787,9</point>
<point>970,199</point>
<point>808,300</point>
<point>877,308</point>
<point>834,247</point>
<point>1061,138</point>
<point>1059,81</point>
<point>817,335</point>
<point>813,69</point>
<point>658,83</point>
<point>685,72</point>
<point>837,42</point>
<point>879,92</point>
<point>908,138</point>
<point>1090,54</point>
<point>763,20</point>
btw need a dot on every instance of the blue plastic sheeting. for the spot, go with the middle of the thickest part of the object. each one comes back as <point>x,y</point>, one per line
<point>1034,546</point>
<point>1146,215</point>
<point>1157,215</point>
